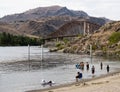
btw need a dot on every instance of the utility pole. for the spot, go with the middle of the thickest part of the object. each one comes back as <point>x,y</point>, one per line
<point>41,52</point>
<point>91,53</point>
<point>29,55</point>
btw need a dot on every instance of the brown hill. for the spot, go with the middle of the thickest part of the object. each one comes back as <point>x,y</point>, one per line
<point>100,41</point>
<point>8,28</point>
<point>42,27</point>
<point>74,28</point>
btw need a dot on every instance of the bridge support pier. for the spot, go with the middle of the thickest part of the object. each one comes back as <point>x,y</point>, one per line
<point>86,28</point>
<point>84,33</point>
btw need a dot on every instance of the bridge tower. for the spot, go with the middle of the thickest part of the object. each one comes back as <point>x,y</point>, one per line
<point>84,25</point>
<point>86,28</point>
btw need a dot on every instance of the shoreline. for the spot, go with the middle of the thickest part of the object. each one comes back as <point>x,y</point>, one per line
<point>80,82</point>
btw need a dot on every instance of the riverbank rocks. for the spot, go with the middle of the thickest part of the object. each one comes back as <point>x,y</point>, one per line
<point>53,50</point>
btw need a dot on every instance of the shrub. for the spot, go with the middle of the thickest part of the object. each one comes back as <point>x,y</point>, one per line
<point>114,38</point>
<point>74,47</point>
<point>104,49</point>
<point>65,40</point>
<point>61,47</point>
<point>94,47</point>
<point>58,44</point>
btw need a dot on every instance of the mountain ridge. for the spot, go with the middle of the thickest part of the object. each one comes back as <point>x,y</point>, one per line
<point>45,20</point>
<point>43,12</point>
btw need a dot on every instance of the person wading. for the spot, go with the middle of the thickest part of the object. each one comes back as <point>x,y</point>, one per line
<point>93,69</point>
<point>87,66</point>
<point>101,65</point>
<point>108,68</point>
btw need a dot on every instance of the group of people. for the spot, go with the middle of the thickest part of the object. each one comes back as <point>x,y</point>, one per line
<point>107,67</point>
<point>79,74</point>
<point>81,66</point>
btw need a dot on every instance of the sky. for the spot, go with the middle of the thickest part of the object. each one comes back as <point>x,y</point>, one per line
<point>98,8</point>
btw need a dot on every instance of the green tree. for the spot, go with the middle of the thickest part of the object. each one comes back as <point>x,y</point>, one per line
<point>13,40</point>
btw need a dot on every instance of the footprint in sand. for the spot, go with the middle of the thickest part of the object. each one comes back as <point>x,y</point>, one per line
<point>50,91</point>
<point>81,84</point>
<point>97,83</point>
<point>77,84</point>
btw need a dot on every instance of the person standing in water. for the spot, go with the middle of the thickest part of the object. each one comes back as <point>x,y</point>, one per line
<point>93,69</point>
<point>87,66</point>
<point>108,68</point>
<point>101,65</point>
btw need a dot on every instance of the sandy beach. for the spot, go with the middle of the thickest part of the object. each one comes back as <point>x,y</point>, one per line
<point>106,83</point>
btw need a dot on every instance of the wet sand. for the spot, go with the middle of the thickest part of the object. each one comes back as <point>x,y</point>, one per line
<point>105,83</point>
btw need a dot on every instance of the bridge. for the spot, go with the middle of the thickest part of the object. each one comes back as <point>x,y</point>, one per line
<point>73,29</point>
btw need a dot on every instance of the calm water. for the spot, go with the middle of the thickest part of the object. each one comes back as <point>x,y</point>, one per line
<point>22,76</point>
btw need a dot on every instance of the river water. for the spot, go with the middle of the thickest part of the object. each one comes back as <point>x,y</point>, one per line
<point>17,74</point>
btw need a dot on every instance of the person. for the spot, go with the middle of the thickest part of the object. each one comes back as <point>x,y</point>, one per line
<point>93,69</point>
<point>101,65</point>
<point>77,66</point>
<point>87,66</point>
<point>108,68</point>
<point>82,65</point>
<point>50,83</point>
<point>43,81</point>
<point>79,76</point>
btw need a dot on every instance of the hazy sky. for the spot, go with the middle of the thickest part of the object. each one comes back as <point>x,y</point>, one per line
<point>98,8</point>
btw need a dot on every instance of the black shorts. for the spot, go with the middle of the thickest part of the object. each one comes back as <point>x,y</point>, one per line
<point>93,71</point>
<point>77,76</point>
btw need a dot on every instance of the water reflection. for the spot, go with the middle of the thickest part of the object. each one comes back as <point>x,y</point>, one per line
<point>23,75</point>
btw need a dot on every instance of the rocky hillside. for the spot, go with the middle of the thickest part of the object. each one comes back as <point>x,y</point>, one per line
<point>105,42</point>
<point>44,20</point>
<point>41,27</point>
<point>72,28</point>
<point>8,28</point>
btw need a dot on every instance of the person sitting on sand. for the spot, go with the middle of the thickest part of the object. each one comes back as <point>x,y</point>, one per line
<point>79,76</point>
